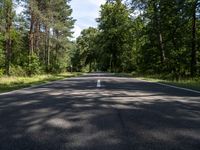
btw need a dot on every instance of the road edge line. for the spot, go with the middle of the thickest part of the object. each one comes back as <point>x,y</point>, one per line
<point>172,86</point>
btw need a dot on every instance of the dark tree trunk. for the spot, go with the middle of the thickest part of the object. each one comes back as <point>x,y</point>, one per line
<point>8,55</point>
<point>161,47</point>
<point>90,67</point>
<point>37,36</point>
<point>31,37</point>
<point>31,34</point>
<point>193,51</point>
<point>47,47</point>
<point>8,41</point>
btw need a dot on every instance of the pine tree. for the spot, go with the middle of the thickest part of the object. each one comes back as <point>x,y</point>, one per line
<point>9,15</point>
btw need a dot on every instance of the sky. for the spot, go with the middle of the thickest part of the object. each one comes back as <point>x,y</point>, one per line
<point>85,12</point>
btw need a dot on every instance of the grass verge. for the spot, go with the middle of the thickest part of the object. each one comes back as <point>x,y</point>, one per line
<point>14,83</point>
<point>190,83</point>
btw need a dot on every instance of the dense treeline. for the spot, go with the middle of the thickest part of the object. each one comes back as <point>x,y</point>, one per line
<point>148,36</point>
<point>37,40</point>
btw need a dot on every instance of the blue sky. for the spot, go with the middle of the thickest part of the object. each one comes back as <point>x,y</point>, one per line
<point>85,12</point>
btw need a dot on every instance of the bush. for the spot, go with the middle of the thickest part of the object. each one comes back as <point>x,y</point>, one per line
<point>33,67</point>
<point>1,72</point>
<point>17,71</point>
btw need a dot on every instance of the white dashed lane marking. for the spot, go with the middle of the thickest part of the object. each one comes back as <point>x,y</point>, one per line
<point>98,83</point>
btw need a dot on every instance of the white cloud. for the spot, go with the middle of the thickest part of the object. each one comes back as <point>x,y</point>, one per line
<point>77,30</point>
<point>96,2</point>
<point>85,12</point>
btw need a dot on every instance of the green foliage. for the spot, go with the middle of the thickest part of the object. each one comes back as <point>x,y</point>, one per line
<point>75,59</point>
<point>87,48</point>
<point>153,37</point>
<point>1,72</point>
<point>115,27</point>
<point>165,40</point>
<point>37,40</point>
<point>147,36</point>
<point>60,43</point>
<point>17,71</point>
<point>34,66</point>
<point>2,56</point>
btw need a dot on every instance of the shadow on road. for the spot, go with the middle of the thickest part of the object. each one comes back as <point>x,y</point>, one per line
<point>75,115</point>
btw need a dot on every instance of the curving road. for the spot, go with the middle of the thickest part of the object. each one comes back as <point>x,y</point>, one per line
<point>124,114</point>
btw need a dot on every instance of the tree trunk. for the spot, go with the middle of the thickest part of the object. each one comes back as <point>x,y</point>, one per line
<point>114,63</point>
<point>47,48</point>
<point>111,63</point>
<point>193,51</point>
<point>36,36</point>
<point>90,67</point>
<point>8,47</point>
<point>159,34</point>
<point>162,51</point>
<point>31,35</point>
<point>8,41</point>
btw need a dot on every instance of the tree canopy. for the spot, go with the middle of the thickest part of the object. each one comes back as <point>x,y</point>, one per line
<point>151,36</point>
<point>37,40</point>
<point>147,36</point>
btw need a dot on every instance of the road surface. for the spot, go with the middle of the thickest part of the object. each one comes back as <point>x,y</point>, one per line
<point>124,114</point>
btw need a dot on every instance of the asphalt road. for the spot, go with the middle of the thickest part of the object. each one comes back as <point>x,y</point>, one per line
<point>124,114</point>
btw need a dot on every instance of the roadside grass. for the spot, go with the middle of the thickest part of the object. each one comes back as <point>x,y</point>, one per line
<point>14,83</point>
<point>190,83</point>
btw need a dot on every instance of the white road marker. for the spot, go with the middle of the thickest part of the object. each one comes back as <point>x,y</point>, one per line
<point>98,83</point>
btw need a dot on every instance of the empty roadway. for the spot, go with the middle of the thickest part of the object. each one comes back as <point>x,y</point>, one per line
<point>124,114</point>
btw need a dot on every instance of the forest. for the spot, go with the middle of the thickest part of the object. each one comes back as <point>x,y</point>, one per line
<point>144,36</point>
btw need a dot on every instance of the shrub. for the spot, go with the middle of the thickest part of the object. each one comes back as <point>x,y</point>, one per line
<point>17,71</point>
<point>1,72</point>
<point>33,67</point>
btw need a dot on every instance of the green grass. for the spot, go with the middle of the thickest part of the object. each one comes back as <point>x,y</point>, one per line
<point>14,83</point>
<point>190,83</point>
